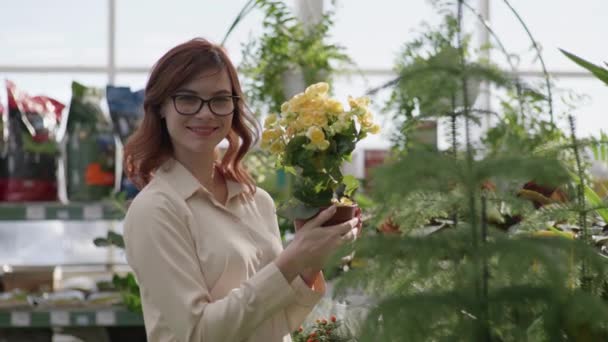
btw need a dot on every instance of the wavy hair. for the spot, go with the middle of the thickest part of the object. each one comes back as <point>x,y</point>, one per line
<point>150,145</point>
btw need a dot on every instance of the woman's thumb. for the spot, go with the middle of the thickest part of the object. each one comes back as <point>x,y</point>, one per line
<point>323,216</point>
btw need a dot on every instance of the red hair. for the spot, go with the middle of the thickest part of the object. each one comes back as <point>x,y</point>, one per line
<point>150,145</point>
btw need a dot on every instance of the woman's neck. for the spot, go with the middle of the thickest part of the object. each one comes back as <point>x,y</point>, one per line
<point>201,166</point>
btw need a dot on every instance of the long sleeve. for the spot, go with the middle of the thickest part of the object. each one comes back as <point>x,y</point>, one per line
<point>161,250</point>
<point>305,301</point>
<point>306,298</point>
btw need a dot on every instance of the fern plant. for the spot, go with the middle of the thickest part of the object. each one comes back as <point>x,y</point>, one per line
<point>473,281</point>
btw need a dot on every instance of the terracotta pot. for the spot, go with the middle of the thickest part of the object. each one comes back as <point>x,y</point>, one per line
<point>343,214</point>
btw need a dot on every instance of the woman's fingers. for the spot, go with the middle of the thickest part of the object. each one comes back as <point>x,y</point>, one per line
<point>318,220</point>
<point>343,228</point>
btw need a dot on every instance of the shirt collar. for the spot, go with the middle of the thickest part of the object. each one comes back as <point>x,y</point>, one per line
<point>184,182</point>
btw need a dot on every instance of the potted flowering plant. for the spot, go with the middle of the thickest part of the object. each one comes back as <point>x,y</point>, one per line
<point>311,137</point>
<point>322,331</point>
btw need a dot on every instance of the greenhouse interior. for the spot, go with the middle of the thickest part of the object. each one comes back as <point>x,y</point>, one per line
<point>421,170</point>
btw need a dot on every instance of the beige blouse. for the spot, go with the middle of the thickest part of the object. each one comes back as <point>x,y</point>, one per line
<point>205,270</point>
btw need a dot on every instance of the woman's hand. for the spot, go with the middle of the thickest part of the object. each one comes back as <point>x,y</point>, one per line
<point>309,275</point>
<point>313,244</point>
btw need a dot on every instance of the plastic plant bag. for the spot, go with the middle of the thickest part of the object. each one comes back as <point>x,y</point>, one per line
<point>90,148</point>
<point>126,110</point>
<point>28,166</point>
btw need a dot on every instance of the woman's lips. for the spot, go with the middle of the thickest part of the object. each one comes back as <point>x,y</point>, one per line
<point>203,131</point>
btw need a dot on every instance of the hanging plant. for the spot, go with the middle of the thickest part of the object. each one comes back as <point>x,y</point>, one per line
<point>288,49</point>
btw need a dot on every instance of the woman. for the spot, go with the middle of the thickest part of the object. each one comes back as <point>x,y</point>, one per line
<point>202,239</point>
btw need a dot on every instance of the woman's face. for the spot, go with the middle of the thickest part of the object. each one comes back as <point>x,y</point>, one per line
<point>192,130</point>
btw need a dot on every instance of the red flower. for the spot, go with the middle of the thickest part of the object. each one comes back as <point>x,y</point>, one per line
<point>333,319</point>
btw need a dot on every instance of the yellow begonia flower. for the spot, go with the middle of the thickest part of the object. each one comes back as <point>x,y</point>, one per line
<point>310,106</point>
<point>315,134</point>
<point>272,134</point>
<point>270,120</point>
<point>267,135</point>
<point>306,119</point>
<point>366,119</point>
<point>317,89</point>
<point>320,119</point>
<point>277,147</point>
<point>296,102</point>
<point>374,129</point>
<point>334,106</point>
<point>323,145</point>
<point>359,102</point>
<point>285,107</point>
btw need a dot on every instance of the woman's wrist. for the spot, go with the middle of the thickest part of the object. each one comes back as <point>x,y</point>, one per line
<point>289,271</point>
<point>309,276</point>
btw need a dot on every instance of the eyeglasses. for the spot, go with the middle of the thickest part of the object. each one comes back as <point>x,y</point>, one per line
<point>192,104</point>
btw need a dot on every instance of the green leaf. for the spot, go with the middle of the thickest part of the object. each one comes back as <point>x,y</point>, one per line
<point>595,200</point>
<point>599,72</point>
<point>290,169</point>
<point>101,242</point>
<point>351,183</point>
<point>112,239</point>
<point>116,239</point>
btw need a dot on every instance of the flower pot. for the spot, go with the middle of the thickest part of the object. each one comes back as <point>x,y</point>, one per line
<point>343,214</point>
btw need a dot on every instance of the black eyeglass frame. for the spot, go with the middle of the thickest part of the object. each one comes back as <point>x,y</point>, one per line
<point>203,102</point>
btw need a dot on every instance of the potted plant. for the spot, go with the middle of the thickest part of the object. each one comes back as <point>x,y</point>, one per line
<point>311,137</point>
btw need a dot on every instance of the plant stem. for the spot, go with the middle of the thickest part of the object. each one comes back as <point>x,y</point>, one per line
<point>482,324</point>
<point>485,271</point>
<point>580,196</point>
<point>540,58</point>
<point>250,5</point>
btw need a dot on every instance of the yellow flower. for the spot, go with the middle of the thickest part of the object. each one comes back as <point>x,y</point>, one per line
<point>277,147</point>
<point>267,135</point>
<point>317,89</point>
<point>285,107</point>
<point>334,106</point>
<point>290,131</point>
<point>306,119</point>
<point>359,102</point>
<point>271,134</point>
<point>310,106</point>
<point>295,127</point>
<point>323,145</point>
<point>270,120</point>
<point>295,102</point>
<point>315,134</point>
<point>374,129</point>
<point>366,119</point>
<point>319,119</point>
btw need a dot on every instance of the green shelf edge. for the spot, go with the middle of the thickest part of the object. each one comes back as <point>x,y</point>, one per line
<point>35,211</point>
<point>42,318</point>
